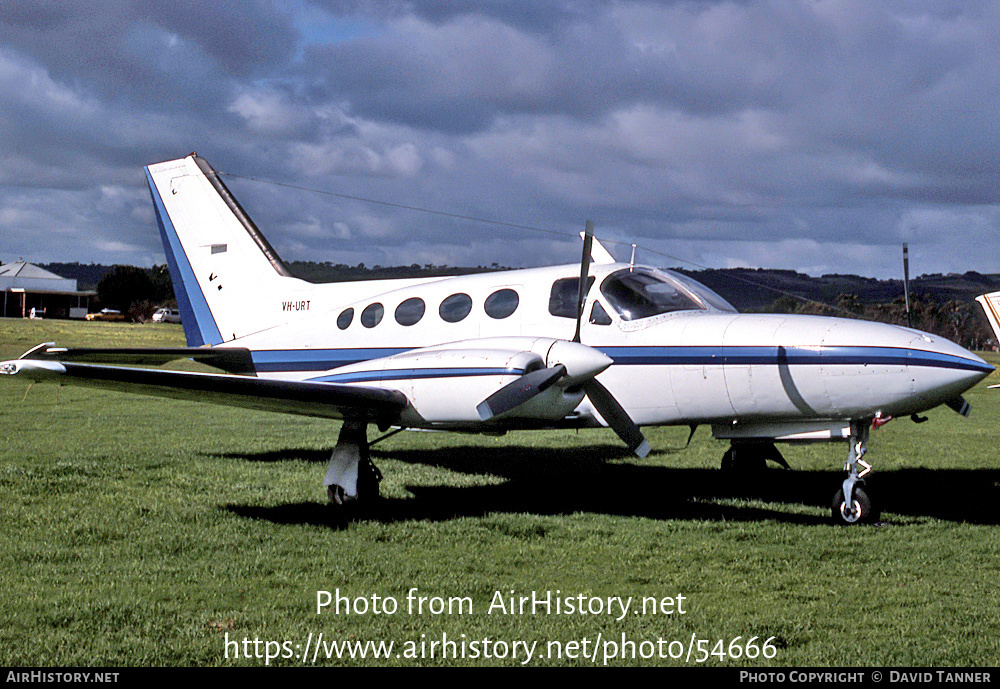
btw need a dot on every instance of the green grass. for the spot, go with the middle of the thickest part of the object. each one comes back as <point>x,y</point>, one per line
<point>142,531</point>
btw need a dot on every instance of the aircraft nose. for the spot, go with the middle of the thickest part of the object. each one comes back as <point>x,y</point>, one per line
<point>942,370</point>
<point>879,368</point>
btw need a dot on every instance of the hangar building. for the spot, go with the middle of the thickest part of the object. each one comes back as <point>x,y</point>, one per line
<point>26,287</point>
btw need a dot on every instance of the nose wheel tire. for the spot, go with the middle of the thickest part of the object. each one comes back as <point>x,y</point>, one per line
<point>860,511</point>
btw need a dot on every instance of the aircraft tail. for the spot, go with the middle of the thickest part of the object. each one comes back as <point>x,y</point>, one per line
<point>228,280</point>
<point>991,305</point>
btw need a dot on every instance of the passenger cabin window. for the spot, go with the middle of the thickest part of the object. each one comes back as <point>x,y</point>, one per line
<point>501,303</point>
<point>564,294</point>
<point>345,318</point>
<point>372,315</point>
<point>410,311</point>
<point>455,308</point>
<point>641,293</point>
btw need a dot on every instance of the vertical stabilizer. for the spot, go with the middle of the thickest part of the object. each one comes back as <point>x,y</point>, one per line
<point>227,278</point>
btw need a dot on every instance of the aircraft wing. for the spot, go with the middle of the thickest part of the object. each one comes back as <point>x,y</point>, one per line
<point>306,398</point>
<point>229,359</point>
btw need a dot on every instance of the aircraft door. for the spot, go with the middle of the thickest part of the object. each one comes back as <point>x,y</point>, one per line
<point>750,378</point>
<point>699,384</point>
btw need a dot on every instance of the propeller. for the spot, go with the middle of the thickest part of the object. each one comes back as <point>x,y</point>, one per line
<point>520,391</point>
<point>602,399</point>
<point>588,243</point>
<point>617,418</point>
<point>586,363</point>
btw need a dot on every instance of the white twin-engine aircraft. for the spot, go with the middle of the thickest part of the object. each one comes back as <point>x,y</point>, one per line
<point>592,345</point>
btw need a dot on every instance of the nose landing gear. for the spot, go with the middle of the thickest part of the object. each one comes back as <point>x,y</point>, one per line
<point>851,504</point>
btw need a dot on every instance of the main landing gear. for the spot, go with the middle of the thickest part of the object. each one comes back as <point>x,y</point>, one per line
<point>851,504</point>
<point>751,456</point>
<point>351,477</point>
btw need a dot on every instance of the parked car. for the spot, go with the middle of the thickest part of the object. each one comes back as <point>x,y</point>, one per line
<point>166,315</point>
<point>107,315</point>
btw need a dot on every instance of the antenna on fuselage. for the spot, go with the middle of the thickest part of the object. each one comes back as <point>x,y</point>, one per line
<point>906,283</point>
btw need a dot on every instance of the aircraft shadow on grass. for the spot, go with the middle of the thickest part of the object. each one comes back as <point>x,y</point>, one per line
<point>547,481</point>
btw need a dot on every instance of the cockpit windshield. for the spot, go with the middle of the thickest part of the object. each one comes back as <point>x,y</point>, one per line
<point>641,292</point>
<point>709,297</point>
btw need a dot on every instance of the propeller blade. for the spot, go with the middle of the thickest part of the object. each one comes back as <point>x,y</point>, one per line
<point>617,418</point>
<point>520,391</point>
<point>959,405</point>
<point>588,243</point>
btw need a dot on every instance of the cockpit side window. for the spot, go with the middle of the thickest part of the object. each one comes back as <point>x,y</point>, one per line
<point>598,316</point>
<point>565,292</point>
<point>641,293</point>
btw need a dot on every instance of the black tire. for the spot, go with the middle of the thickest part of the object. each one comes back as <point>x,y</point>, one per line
<point>368,479</point>
<point>744,458</point>
<point>862,511</point>
<point>727,460</point>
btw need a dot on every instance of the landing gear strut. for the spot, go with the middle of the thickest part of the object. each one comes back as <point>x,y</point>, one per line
<point>851,504</point>
<point>352,477</point>
<point>751,456</point>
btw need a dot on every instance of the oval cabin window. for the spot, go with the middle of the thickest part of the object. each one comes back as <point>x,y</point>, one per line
<point>501,303</point>
<point>345,318</point>
<point>455,308</point>
<point>372,315</point>
<point>410,311</point>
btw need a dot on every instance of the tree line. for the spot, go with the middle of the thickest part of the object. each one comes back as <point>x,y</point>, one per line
<point>963,322</point>
<point>134,291</point>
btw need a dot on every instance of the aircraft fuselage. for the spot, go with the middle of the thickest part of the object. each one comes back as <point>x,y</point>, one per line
<point>742,373</point>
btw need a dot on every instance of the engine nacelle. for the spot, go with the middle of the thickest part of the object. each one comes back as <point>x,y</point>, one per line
<point>446,383</point>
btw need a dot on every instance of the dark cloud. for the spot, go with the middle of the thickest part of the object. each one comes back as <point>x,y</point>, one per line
<point>805,135</point>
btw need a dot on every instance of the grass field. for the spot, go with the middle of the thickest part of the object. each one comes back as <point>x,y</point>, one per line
<point>142,531</point>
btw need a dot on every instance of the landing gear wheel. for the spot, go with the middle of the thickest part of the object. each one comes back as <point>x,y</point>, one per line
<point>351,478</point>
<point>860,511</point>
<point>368,492</point>
<point>368,479</point>
<point>750,458</point>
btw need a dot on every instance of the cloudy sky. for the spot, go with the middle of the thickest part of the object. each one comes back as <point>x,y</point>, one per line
<point>817,136</point>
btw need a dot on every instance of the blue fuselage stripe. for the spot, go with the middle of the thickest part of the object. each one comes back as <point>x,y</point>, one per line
<point>322,360</point>
<point>266,361</point>
<point>793,356</point>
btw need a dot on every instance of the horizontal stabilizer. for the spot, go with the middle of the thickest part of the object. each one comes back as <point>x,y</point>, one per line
<point>328,400</point>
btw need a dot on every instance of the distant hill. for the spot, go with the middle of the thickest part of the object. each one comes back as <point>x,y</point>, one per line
<point>87,275</point>
<point>748,289</point>
<point>331,272</point>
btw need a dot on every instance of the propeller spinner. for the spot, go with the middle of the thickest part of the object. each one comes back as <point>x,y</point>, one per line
<point>578,362</point>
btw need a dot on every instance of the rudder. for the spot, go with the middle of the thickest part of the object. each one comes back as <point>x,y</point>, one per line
<point>221,265</point>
